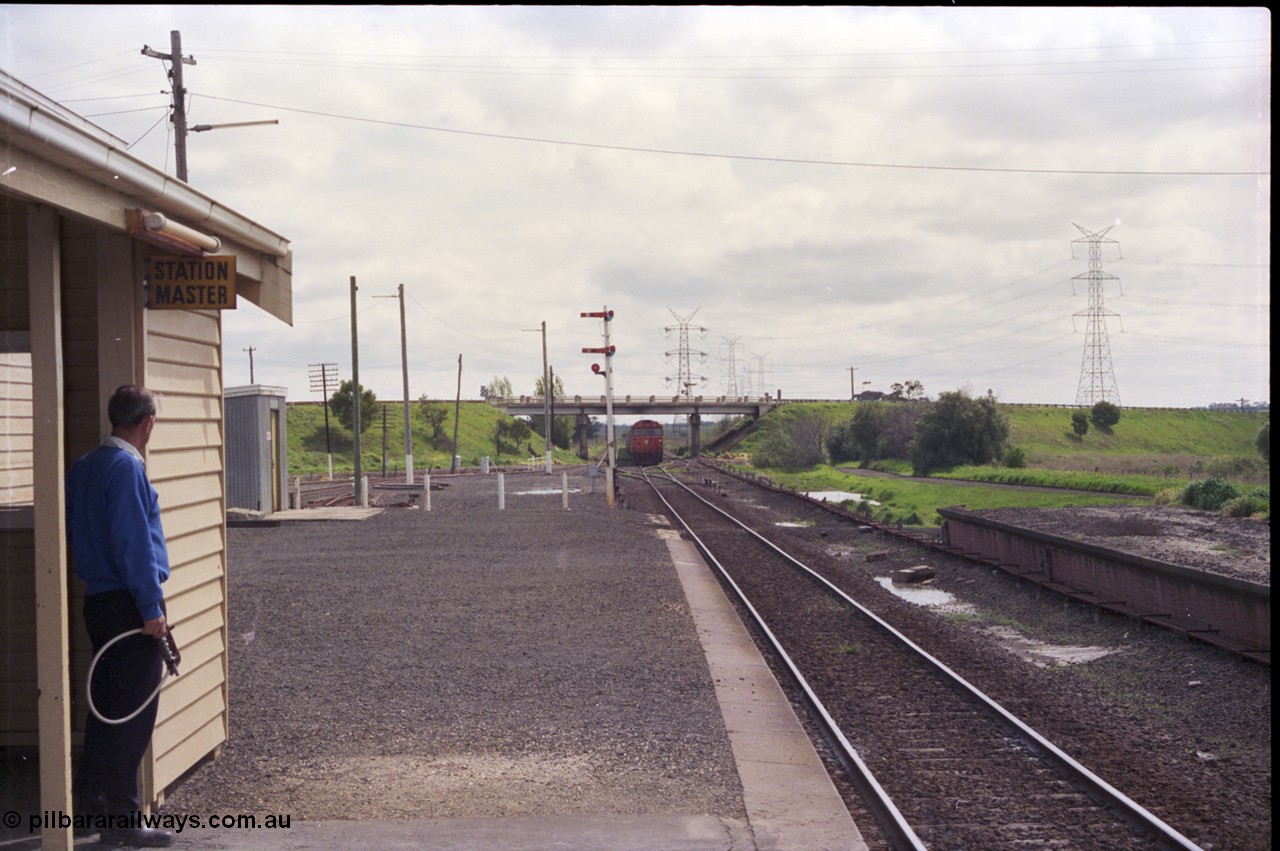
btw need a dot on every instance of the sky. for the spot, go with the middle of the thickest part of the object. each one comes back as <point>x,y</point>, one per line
<point>825,198</point>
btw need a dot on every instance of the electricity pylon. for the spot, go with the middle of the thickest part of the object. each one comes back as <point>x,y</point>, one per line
<point>1097,375</point>
<point>730,365</point>
<point>684,378</point>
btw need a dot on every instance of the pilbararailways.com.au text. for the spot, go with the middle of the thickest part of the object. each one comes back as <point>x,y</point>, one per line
<point>58,820</point>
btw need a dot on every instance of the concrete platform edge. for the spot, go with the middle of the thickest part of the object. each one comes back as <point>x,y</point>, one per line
<point>790,799</point>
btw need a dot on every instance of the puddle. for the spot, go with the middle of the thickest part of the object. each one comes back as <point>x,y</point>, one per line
<point>839,496</point>
<point>930,598</point>
<point>791,525</point>
<point>545,492</point>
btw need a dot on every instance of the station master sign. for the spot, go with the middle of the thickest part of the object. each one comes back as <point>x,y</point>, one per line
<point>191,283</point>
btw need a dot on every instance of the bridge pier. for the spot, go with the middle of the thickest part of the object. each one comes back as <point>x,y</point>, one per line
<point>581,428</point>
<point>695,435</point>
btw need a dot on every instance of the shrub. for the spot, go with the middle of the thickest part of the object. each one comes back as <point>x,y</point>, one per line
<point>794,445</point>
<point>875,431</point>
<point>1245,506</point>
<point>1209,494</point>
<point>342,406</point>
<point>1080,423</point>
<point>1015,456</point>
<point>958,429</point>
<point>1105,414</point>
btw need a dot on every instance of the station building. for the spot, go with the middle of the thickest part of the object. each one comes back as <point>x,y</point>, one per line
<point>88,234</point>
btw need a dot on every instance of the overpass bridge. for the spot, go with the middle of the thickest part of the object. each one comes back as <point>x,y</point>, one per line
<point>582,407</point>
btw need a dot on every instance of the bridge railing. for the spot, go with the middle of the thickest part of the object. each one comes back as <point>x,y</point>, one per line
<point>629,399</point>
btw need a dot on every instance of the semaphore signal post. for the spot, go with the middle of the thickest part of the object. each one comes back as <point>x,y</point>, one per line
<point>607,350</point>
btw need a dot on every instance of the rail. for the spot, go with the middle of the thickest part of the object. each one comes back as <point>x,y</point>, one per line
<point>900,832</point>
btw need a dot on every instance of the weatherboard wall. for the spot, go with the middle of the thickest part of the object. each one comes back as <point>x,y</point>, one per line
<point>185,464</point>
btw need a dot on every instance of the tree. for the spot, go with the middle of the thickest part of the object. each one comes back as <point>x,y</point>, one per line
<point>342,406</point>
<point>958,429</point>
<point>557,386</point>
<point>561,427</point>
<point>1080,423</point>
<point>875,431</point>
<point>499,387</point>
<point>434,415</point>
<point>515,430</point>
<point>1105,414</point>
<point>910,389</point>
<point>793,444</point>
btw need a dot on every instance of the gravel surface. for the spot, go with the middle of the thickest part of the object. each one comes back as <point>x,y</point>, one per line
<point>1228,546</point>
<point>1182,727</point>
<point>465,662</point>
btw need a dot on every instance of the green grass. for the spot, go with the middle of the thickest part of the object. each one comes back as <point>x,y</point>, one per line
<point>1147,441</point>
<point>902,498</point>
<point>476,423</point>
<point>1150,452</point>
<point>1068,479</point>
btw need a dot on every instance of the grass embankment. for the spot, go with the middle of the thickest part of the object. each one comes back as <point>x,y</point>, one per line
<point>916,502</point>
<point>476,423</point>
<point>1178,444</point>
<point>1149,452</point>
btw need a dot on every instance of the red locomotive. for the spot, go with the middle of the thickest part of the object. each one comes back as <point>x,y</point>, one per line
<point>646,442</point>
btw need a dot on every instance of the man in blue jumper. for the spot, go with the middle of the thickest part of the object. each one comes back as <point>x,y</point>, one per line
<point>113,520</point>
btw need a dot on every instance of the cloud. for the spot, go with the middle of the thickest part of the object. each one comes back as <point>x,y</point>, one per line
<point>832,187</point>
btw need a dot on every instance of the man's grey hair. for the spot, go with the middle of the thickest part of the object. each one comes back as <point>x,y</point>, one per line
<point>130,405</point>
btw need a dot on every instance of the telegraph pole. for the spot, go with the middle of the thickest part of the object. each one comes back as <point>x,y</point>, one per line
<point>457,411</point>
<point>327,371</point>
<point>356,413</point>
<point>250,350</point>
<point>404,368</point>
<point>177,60</point>
<point>546,398</point>
<point>404,365</point>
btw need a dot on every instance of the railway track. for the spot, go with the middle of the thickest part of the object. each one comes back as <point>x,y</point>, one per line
<point>939,763</point>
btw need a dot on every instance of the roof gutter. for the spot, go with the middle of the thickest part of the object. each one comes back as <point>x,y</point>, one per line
<point>34,123</point>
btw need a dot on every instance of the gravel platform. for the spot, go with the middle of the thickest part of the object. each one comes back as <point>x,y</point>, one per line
<point>465,662</point>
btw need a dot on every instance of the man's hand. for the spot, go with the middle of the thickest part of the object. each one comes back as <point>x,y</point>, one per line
<point>155,627</point>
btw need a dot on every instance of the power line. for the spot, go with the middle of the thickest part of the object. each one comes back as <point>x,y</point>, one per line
<point>742,157</point>
<point>726,56</point>
<point>1008,69</point>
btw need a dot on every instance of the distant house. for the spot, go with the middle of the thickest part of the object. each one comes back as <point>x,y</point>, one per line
<point>81,222</point>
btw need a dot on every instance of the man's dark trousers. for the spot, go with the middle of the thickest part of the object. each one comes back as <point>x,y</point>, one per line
<point>107,782</point>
